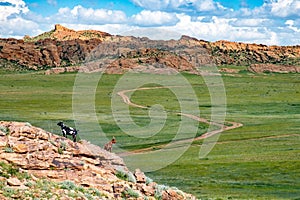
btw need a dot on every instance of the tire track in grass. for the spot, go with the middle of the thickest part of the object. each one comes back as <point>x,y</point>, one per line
<point>222,127</point>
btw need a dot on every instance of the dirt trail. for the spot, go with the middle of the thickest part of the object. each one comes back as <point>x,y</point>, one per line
<point>222,127</point>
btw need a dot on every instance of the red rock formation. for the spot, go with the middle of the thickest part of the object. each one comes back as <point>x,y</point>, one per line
<point>46,53</point>
<point>226,52</point>
<point>46,155</point>
<point>63,47</point>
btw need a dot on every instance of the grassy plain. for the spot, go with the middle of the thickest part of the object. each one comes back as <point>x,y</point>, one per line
<point>260,160</point>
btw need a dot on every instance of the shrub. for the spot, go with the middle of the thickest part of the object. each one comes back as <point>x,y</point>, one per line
<point>80,189</point>
<point>29,184</point>
<point>8,150</point>
<point>68,185</point>
<point>159,190</point>
<point>130,193</point>
<point>131,177</point>
<point>60,150</point>
<point>8,192</point>
<point>28,124</point>
<point>148,180</point>
<point>126,176</point>
<point>94,191</point>
<point>4,129</point>
<point>62,147</point>
<point>121,175</point>
<point>89,196</point>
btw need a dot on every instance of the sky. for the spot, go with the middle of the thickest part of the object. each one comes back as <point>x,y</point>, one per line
<point>270,22</point>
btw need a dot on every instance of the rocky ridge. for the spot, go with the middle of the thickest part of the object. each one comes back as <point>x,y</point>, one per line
<point>63,47</point>
<point>46,53</point>
<point>238,53</point>
<point>54,165</point>
<point>61,33</point>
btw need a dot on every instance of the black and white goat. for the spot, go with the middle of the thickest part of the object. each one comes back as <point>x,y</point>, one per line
<point>68,130</point>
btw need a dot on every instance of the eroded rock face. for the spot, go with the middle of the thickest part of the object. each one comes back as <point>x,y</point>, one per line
<point>46,53</point>
<point>225,52</point>
<point>45,155</point>
<point>66,49</point>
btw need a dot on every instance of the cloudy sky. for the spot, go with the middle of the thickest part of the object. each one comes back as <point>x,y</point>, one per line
<point>271,22</point>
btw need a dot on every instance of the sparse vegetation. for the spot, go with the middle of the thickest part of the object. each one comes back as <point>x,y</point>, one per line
<point>148,180</point>
<point>8,150</point>
<point>39,37</point>
<point>129,192</point>
<point>4,129</point>
<point>126,176</point>
<point>42,188</point>
<point>258,161</point>
<point>159,191</point>
<point>7,170</point>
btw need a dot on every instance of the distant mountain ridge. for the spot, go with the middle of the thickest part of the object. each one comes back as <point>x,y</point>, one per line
<point>63,47</point>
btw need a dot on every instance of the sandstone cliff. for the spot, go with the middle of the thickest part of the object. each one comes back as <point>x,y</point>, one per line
<point>226,52</point>
<point>46,53</point>
<point>63,47</point>
<point>38,164</point>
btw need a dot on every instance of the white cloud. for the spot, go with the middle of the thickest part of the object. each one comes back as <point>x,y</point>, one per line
<point>291,25</point>
<point>152,4</point>
<point>155,33</point>
<point>275,22</point>
<point>285,8</point>
<point>250,22</point>
<point>180,5</point>
<point>18,27</point>
<point>12,7</point>
<point>208,5</point>
<point>222,29</point>
<point>12,21</point>
<point>83,15</point>
<point>154,18</point>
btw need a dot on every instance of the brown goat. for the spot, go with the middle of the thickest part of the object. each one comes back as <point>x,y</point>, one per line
<point>108,146</point>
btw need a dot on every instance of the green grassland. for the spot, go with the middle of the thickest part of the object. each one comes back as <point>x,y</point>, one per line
<point>260,160</point>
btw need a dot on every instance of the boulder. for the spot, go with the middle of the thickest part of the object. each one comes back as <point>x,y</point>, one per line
<point>13,182</point>
<point>140,176</point>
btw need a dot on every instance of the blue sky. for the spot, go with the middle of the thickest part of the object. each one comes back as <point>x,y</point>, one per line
<point>51,7</point>
<point>271,22</point>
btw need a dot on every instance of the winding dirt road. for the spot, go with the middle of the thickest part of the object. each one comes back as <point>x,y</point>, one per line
<point>222,127</point>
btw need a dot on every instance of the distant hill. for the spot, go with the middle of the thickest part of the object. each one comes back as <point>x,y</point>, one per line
<point>61,33</point>
<point>63,47</point>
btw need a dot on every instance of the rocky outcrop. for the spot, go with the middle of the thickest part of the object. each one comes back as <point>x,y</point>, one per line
<point>225,52</point>
<point>63,47</point>
<point>46,53</point>
<point>61,33</point>
<point>42,154</point>
<point>271,68</point>
<point>60,70</point>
